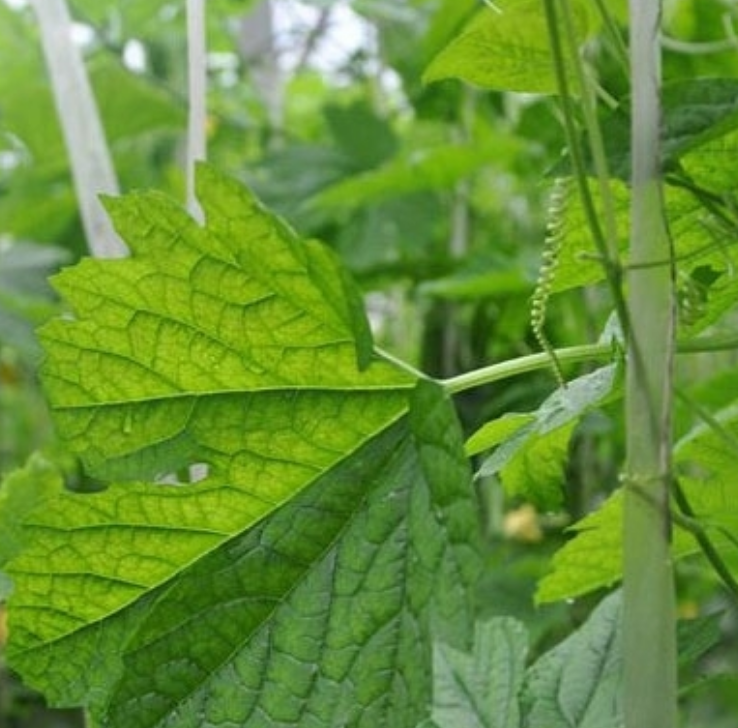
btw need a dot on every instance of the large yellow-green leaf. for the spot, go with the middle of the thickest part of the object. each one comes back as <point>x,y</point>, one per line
<point>301,581</point>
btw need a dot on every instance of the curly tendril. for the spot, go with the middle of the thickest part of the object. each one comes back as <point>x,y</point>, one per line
<point>549,261</point>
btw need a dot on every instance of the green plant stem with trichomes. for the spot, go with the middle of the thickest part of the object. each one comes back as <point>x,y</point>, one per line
<point>525,364</point>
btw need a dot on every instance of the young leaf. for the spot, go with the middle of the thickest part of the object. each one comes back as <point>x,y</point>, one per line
<point>302,581</point>
<point>532,465</point>
<point>577,683</point>
<point>589,561</point>
<point>593,558</point>
<point>506,50</point>
<point>481,690</point>
<point>495,432</point>
<point>531,461</point>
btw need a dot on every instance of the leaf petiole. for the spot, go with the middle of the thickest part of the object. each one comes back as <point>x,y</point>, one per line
<point>569,355</point>
<point>525,364</point>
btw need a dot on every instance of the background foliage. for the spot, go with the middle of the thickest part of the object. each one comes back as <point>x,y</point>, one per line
<point>436,197</point>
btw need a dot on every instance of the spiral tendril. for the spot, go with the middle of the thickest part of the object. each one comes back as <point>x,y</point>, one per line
<point>549,262</point>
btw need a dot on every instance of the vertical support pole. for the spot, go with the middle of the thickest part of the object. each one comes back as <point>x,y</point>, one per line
<point>92,167</point>
<point>649,634</point>
<point>197,98</point>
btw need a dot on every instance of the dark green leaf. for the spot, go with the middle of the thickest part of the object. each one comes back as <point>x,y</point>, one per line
<point>696,111</point>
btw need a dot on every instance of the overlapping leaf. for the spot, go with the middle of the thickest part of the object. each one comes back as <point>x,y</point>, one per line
<point>593,559</point>
<point>481,690</point>
<point>298,582</point>
<point>531,449</point>
<point>578,683</point>
<point>21,492</point>
<point>696,113</point>
<point>505,49</point>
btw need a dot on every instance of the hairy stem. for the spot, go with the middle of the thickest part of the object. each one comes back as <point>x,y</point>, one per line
<point>649,635</point>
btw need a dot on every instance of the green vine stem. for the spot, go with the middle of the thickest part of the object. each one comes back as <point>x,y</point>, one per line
<point>525,364</point>
<point>567,355</point>
<point>605,240</point>
<point>686,518</point>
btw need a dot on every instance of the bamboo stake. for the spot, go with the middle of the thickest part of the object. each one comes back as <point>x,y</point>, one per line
<point>92,167</point>
<point>197,84</point>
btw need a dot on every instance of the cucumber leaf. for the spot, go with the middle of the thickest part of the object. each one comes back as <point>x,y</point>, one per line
<point>578,682</point>
<point>593,558</point>
<point>481,689</point>
<point>534,448</point>
<point>302,580</point>
<point>21,492</point>
<point>505,49</point>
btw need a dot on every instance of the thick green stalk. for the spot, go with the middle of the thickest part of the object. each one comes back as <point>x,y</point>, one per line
<point>649,638</point>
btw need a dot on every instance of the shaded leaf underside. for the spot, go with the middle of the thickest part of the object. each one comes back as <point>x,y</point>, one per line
<point>481,690</point>
<point>578,682</point>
